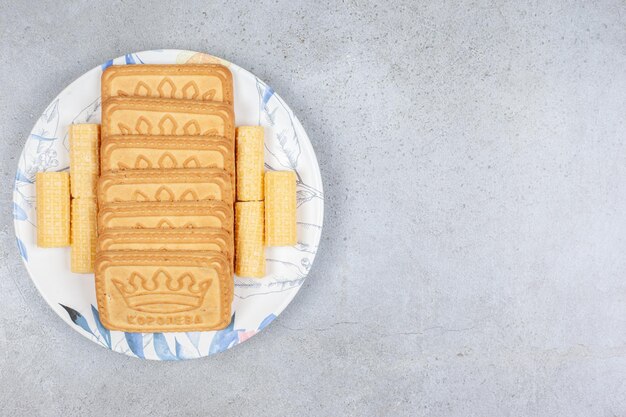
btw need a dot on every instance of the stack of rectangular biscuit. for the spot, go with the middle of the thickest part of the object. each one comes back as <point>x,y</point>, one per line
<point>167,163</point>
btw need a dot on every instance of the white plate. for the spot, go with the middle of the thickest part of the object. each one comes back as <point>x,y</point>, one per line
<point>256,302</point>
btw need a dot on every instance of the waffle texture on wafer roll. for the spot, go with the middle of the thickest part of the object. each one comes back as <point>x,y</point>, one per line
<point>280,208</point>
<point>250,153</point>
<point>53,209</point>
<point>84,161</point>
<point>83,233</point>
<point>249,239</point>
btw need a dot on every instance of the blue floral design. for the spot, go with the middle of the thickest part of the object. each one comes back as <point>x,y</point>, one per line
<point>106,64</point>
<point>182,352</point>
<point>266,321</point>
<point>135,343</point>
<point>21,177</point>
<point>103,330</point>
<point>223,339</point>
<point>19,213</point>
<point>78,319</point>
<point>162,349</point>
<point>22,248</point>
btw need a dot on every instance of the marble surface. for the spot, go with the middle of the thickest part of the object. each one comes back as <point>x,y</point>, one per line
<point>474,163</point>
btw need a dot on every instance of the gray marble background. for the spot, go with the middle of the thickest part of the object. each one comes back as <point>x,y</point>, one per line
<point>473,256</point>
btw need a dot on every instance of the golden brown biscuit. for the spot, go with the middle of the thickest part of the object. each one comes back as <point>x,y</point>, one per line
<point>165,152</point>
<point>137,116</point>
<point>148,291</point>
<point>209,82</point>
<point>195,184</point>
<point>163,215</point>
<point>205,239</point>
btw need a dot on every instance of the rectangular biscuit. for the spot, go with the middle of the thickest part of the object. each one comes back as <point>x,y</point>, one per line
<point>280,208</point>
<point>174,215</point>
<point>204,239</point>
<point>53,209</point>
<point>250,152</point>
<point>205,82</point>
<point>166,152</point>
<point>193,184</point>
<point>249,239</point>
<point>159,291</point>
<point>144,116</point>
<point>83,233</point>
<point>84,162</point>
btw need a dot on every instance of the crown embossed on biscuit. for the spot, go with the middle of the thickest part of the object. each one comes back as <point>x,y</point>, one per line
<point>162,293</point>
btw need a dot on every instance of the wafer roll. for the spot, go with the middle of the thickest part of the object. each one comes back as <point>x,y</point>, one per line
<point>84,162</point>
<point>53,209</point>
<point>83,253</point>
<point>250,163</point>
<point>249,246</point>
<point>280,208</point>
